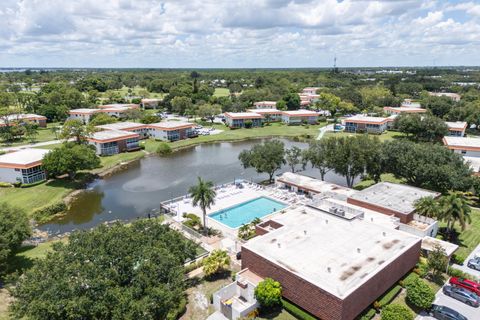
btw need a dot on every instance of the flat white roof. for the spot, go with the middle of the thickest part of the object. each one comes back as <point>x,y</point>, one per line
<point>111,134</point>
<point>315,185</point>
<point>459,125</point>
<point>117,106</point>
<point>301,112</point>
<point>266,102</point>
<point>269,110</point>
<point>335,254</point>
<point>467,142</point>
<point>428,243</point>
<point>394,196</point>
<point>23,157</point>
<point>243,115</point>
<point>408,108</point>
<point>172,124</point>
<point>360,118</point>
<point>84,110</point>
<point>120,125</point>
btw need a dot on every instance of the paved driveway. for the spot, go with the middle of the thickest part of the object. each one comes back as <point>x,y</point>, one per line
<point>466,269</point>
<point>470,312</point>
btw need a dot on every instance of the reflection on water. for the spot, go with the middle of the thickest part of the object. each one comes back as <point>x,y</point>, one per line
<point>140,189</point>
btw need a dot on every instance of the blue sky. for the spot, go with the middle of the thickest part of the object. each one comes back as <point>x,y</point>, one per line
<point>241,33</point>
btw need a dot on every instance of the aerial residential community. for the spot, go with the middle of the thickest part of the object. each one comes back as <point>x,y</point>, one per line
<point>235,160</point>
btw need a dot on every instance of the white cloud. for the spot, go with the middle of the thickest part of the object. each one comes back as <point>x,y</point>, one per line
<point>242,33</point>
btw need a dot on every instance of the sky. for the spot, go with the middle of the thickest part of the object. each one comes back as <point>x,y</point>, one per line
<point>238,33</point>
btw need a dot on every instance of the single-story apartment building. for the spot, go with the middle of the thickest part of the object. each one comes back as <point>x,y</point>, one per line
<point>273,113</point>
<point>360,123</point>
<point>109,142</point>
<point>171,130</point>
<point>310,90</point>
<point>457,128</point>
<point>392,199</point>
<point>465,146</point>
<point>238,119</point>
<point>140,128</point>
<point>150,103</point>
<point>403,109</point>
<point>310,186</point>
<point>454,96</point>
<point>23,166</point>
<point>300,116</point>
<point>41,121</point>
<point>82,114</point>
<point>333,266</point>
<point>113,110</point>
<point>265,105</point>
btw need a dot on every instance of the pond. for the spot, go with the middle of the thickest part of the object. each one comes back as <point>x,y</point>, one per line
<point>138,190</point>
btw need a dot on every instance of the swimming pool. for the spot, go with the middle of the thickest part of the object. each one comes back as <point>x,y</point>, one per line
<point>245,212</point>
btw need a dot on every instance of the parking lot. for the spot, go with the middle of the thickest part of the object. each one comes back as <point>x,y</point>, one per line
<point>441,299</point>
<point>466,269</point>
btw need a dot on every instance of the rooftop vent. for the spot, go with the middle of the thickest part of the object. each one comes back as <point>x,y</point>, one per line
<point>359,250</point>
<point>305,232</point>
<point>326,221</point>
<point>384,233</point>
<point>371,219</point>
<point>329,269</point>
<point>279,244</point>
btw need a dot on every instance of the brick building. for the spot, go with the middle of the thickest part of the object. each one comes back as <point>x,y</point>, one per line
<point>334,266</point>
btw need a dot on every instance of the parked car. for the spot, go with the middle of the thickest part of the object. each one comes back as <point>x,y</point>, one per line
<point>463,295</point>
<point>445,313</point>
<point>474,263</point>
<point>465,283</point>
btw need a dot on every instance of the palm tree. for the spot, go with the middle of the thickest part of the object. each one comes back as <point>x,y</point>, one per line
<point>455,207</point>
<point>428,207</point>
<point>203,195</point>
<point>218,261</point>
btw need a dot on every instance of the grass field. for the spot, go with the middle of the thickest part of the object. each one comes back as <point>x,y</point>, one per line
<point>44,134</point>
<point>135,91</point>
<point>387,135</point>
<point>221,92</point>
<point>387,177</point>
<point>274,130</point>
<point>470,237</point>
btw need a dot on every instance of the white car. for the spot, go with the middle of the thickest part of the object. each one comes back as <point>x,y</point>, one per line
<point>476,255</point>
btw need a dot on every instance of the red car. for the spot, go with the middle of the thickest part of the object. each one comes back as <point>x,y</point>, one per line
<point>465,283</point>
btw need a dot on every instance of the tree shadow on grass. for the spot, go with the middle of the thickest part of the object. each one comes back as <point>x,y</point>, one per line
<point>272,313</point>
<point>219,276</point>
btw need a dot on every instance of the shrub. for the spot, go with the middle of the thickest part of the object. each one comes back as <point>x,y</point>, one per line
<point>411,277</point>
<point>5,185</point>
<point>389,296</point>
<point>218,261</point>
<point>460,274</point>
<point>396,312</point>
<point>44,214</point>
<point>192,221</point>
<point>17,184</point>
<point>368,314</point>
<point>248,124</point>
<point>420,294</point>
<point>164,149</point>
<point>458,258</point>
<point>296,311</point>
<point>269,293</point>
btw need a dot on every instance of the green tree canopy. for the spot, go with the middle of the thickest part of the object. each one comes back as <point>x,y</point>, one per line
<point>293,157</point>
<point>269,293</point>
<point>218,261</point>
<point>74,129</point>
<point>101,118</point>
<point>438,106</point>
<point>180,104</point>
<point>418,127</point>
<point>203,194</point>
<point>267,157</point>
<point>118,272</point>
<point>395,311</point>
<point>426,166</point>
<point>70,158</point>
<point>14,228</point>
<point>292,101</point>
<point>420,294</point>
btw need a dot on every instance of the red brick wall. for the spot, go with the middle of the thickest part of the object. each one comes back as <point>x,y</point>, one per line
<point>404,218</point>
<point>308,296</point>
<point>323,304</point>
<point>364,296</point>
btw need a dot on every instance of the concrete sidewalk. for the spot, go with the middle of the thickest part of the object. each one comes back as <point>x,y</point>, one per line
<point>323,130</point>
<point>33,145</point>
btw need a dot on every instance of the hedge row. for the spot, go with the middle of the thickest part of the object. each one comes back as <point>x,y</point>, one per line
<point>389,296</point>
<point>296,311</point>
<point>46,213</point>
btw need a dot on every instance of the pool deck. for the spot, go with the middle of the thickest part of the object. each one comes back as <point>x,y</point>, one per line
<point>229,196</point>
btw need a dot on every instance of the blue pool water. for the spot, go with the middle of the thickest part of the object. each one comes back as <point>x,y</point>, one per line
<point>245,212</point>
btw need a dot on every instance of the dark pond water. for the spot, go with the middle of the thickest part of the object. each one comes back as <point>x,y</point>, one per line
<point>138,190</point>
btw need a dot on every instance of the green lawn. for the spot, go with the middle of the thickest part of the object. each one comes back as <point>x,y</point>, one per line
<point>387,135</point>
<point>135,91</point>
<point>221,92</point>
<point>387,177</point>
<point>274,130</point>
<point>44,134</point>
<point>51,192</point>
<point>470,237</point>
